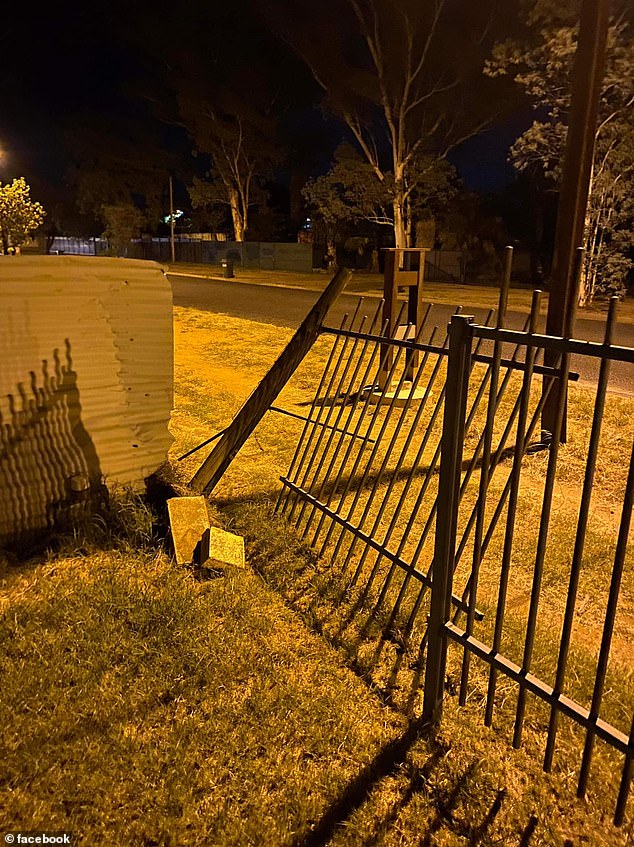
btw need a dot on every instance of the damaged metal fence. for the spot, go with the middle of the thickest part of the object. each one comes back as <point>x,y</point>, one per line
<point>413,485</point>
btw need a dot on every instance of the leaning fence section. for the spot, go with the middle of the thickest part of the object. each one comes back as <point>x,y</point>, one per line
<point>364,473</point>
<point>362,487</point>
<point>472,549</point>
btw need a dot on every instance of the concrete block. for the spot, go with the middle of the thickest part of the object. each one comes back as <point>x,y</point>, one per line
<point>225,548</point>
<point>189,519</point>
<point>195,541</point>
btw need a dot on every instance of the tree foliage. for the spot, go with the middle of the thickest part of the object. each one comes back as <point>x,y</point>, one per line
<point>401,74</point>
<point>120,164</point>
<point>19,215</point>
<point>217,74</point>
<point>350,192</point>
<point>238,133</point>
<point>541,64</point>
<point>123,223</point>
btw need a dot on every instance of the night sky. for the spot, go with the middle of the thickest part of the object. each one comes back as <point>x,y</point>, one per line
<point>77,59</point>
<point>54,66</point>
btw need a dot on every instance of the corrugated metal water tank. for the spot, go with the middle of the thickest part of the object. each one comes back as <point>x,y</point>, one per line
<point>86,382</point>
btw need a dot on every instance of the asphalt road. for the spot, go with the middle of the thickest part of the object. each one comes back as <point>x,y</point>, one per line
<point>287,307</point>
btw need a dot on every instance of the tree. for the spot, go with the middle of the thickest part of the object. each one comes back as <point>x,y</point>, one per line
<point>404,78</point>
<point>349,191</point>
<point>238,138</point>
<point>541,65</point>
<point>227,96</point>
<point>120,163</point>
<point>123,223</point>
<point>19,215</point>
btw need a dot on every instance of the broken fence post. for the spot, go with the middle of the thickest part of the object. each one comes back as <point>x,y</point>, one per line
<point>259,401</point>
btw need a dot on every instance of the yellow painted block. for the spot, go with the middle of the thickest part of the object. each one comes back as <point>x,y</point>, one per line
<point>189,519</point>
<point>225,548</point>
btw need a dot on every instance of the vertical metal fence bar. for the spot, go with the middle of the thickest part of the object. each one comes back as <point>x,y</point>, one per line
<point>529,434</point>
<point>431,516</point>
<point>493,462</point>
<point>434,507</point>
<point>431,469</point>
<point>580,538</point>
<point>339,402</point>
<point>470,523</point>
<point>417,459</point>
<point>357,462</point>
<point>403,452</point>
<point>518,455</point>
<point>386,457</point>
<point>344,404</point>
<point>484,473</point>
<point>363,398</point>
<point>306,463</point>
<point>296,461</point>
<point>458,372</point>
<point>283,495</point>
<point>558,427</point>
<point>425,484</point>
<point>332,463</point>
<point>434,461</point>
<point>385,461</point>
<point>544,524</point>
<point>368,467</point>
<point>408,483</point>
<point>626,779</point>
<point>608,629</point>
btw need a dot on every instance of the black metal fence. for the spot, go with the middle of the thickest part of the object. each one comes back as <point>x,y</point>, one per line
<point>430,489</point>
<point>557,694</point>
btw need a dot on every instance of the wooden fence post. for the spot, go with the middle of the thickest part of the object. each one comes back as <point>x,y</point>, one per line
<point>458,371</point>
<point>257,404</point>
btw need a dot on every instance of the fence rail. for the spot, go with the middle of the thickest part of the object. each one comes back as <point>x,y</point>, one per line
<point>423,490</point>
<point>442,628</point>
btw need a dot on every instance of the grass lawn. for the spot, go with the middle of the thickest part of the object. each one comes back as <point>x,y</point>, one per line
<point>141,705</point>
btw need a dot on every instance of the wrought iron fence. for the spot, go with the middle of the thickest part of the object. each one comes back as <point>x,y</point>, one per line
<point>561,694</point>
<point>419,459</point>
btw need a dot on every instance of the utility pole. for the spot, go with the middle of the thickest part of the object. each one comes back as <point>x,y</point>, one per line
<point>577,168</point>
<point>172,221</point>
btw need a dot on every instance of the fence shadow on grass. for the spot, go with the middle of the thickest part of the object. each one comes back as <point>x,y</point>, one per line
<point>386,763</point>
<point>390,760</point>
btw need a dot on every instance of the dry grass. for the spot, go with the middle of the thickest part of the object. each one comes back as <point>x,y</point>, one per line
<point>355,624</point>
<point>143,706</point>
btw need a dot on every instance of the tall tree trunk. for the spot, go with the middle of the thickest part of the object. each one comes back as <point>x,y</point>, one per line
<point>400,234</point>
<point>586,288</point>
<point>408,222</point>
<point>237,216</point>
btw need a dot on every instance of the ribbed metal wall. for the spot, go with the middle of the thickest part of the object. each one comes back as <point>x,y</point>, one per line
<point>86,382</point>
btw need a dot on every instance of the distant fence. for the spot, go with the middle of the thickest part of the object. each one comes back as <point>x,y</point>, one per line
<point>445,266</point>
<point>261,255</point>
<point>440,265</point>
